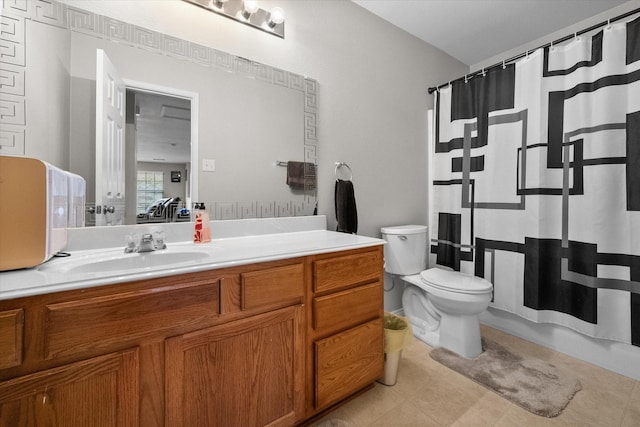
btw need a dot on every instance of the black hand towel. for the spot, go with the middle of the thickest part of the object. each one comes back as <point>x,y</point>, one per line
<point>301,173</point>
<point>346,212</point>
<point>295,175</point>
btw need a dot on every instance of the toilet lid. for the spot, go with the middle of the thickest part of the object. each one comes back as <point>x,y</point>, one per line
<point>455,281</point>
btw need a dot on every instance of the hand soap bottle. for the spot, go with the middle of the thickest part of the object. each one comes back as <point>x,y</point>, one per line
<point>202,227</point>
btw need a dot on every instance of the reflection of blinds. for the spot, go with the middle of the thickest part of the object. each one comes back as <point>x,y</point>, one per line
<point>150,187</point>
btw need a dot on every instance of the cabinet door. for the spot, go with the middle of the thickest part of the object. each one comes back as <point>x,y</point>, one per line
<point>97,392</point>
<point>245,373</point>
<point>348,361</point>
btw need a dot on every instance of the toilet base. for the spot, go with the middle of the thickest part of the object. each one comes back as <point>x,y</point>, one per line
<point>433,324</point>
<point>461,334</point>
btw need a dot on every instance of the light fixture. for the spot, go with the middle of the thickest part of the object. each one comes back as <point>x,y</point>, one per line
<point>246,12</point>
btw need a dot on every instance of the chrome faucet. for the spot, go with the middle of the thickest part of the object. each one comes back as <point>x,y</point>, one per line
<point>147,243</point>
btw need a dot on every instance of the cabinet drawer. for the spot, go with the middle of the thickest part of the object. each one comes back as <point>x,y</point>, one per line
<point>11,327</point>
<point>263,288</point>
<point>341,272</point>
<point>348,361</point>
<point>123,319</point>
<point>341,310</point>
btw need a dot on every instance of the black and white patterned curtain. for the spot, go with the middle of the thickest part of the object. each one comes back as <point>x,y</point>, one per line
<point>536,182</point>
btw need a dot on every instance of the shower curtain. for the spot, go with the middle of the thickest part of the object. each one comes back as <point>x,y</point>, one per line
<point>536,182</point>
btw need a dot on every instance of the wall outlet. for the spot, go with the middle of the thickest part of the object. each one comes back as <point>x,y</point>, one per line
<point>208,165</point>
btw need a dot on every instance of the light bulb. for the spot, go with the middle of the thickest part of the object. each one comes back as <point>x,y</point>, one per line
<point>277,17</point>
<point>250,6</point>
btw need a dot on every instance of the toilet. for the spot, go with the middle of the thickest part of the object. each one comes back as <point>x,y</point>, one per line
<point>441,305</point>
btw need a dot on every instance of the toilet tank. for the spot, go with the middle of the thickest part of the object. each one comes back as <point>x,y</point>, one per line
<point>406,250</point>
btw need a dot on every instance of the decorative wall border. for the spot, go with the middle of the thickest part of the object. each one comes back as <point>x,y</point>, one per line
<point>13,70</point>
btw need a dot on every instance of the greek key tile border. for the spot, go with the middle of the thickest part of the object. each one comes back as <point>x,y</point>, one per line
<point>12,72</point>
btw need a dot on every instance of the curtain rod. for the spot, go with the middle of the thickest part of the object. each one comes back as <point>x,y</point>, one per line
<point>514,58</point>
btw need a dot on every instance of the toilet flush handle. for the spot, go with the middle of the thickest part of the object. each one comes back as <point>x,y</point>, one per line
<point>402,237</point>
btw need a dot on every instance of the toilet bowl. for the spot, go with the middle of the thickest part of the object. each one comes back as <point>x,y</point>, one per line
<point>448,302</point>
<point>442,305</point>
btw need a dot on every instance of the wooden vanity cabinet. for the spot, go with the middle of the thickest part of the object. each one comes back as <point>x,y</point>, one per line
<point>345,333</point>
<point>271,343</point>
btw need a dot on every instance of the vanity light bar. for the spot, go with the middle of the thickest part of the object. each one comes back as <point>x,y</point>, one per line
<point>246,12</point>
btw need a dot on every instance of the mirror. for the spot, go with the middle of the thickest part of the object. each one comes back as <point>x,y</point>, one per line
<point>248,120</point>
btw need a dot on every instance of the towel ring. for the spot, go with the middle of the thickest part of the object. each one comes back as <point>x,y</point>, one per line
<point>342,164</point>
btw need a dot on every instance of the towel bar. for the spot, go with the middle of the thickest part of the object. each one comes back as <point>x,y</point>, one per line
<point>342,164</point>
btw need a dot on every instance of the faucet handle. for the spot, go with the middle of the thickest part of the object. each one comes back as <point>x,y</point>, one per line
<point>132,241</point>
<point>158,240</point>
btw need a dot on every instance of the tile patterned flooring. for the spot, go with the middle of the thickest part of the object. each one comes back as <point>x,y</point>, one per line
<point>429,394</point>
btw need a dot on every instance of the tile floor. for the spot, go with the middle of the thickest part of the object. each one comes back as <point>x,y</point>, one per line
<point>429,394</point>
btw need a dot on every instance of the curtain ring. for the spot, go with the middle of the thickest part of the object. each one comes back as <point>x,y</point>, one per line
<point>575,35</point>
<point>465,78</point>
<point>503,65</point>
<point>483,73</point>
<point>551,46</point>
<point>608,24</point>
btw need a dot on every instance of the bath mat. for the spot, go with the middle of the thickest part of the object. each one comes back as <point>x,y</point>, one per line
<point>530,383</point>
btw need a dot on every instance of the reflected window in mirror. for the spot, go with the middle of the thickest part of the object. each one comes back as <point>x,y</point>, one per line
<point>150,189</point>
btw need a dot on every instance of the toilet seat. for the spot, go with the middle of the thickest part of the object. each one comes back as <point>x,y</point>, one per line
<point>454,281</point>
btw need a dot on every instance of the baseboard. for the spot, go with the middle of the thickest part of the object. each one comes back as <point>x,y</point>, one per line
<point>618,357</point>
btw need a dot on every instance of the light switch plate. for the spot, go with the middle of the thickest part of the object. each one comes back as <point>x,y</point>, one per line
<point>208,165</point>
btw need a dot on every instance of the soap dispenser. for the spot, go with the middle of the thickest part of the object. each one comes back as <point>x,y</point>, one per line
<point>202,228</point>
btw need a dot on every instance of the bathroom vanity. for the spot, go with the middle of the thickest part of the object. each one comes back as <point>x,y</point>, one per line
<point>275,337</point>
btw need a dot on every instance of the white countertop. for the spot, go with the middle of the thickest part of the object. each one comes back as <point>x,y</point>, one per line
<point>226,252</point>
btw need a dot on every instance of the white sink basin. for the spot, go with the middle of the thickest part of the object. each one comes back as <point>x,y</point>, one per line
<point>111,261</point>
